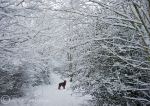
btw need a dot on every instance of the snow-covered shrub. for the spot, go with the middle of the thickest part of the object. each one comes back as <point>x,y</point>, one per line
<point>12,80</point>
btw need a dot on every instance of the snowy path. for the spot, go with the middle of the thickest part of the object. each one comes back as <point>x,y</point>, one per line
<point>49,95</point>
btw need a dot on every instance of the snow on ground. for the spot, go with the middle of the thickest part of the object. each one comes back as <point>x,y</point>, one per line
<point>49,95</point>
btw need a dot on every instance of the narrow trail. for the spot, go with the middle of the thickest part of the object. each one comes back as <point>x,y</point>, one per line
<point>49,95</point>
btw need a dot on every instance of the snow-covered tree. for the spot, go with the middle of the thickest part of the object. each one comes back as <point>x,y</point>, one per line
<point>110,50</point>
<point>20,65</point>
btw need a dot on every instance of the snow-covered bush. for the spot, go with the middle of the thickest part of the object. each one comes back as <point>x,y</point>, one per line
<point>12,79</point>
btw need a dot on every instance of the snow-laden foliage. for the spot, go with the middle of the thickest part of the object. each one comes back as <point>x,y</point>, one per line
<point>103,45</point>
<point>108,50</point>
<point>21,64</point>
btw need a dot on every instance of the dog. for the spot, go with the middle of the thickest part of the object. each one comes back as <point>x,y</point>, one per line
<point>63,84</point>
